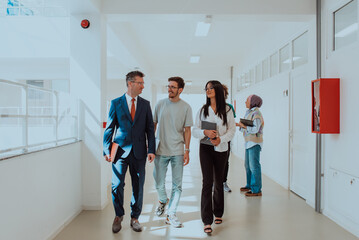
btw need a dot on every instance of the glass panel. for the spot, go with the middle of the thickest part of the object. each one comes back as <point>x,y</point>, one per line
<point>11,133</point>
<point>300,50</point>
<point>67,105</point>
<point>32,3</point>
<point>67,127</point>
<point>274,66</point>
<point>41,130</point>
<point>12,99</point>
<point>41,103</point>
<point>258,73</point>
<point>346,25</point>
<point>55,3</point>
<point>246,82</point>
<point>284,59</point>
<point>239,82</point>
<point>251,76</point>
<point>265,68</point>
<point>67,121</point>
<point>55,12</point>
<point>30,11</point>
<point>2,12</point>
<point>12,11</point>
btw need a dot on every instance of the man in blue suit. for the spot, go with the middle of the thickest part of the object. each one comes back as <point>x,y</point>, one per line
<point>130,119</point>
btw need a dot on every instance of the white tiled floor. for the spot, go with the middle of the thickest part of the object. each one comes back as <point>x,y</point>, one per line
<point>278,214</point>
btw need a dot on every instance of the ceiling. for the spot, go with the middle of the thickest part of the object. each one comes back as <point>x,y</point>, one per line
<point>158,36</point>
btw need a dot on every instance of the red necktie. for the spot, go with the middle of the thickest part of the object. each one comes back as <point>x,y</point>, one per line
<point>133,109</point>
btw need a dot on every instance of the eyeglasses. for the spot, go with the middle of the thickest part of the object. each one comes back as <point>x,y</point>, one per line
<point>139,83</point>
<point>171,87</point>
<point>207,89</point>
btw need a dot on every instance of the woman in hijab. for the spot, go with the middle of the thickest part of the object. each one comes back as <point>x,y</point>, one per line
<point>253,136</point>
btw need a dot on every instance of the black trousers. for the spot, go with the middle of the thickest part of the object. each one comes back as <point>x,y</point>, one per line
<point>212,166</point>
<point>227,163</point>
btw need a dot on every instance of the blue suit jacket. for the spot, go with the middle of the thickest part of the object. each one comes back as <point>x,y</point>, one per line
<point>130,134</point>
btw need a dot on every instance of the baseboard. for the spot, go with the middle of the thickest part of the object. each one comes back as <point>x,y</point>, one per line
<point>342,221</point>
<point>310,203</point>
<point>92,208</point>
<point>67,222</point>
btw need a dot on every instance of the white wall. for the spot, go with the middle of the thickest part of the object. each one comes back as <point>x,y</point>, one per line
<point>34,48</point>
<point>40,192</point>
<point>275,110</point>
<point>88,83</point>
<point>275,155</point>
<point>34,37</point>
<point>340,152</point>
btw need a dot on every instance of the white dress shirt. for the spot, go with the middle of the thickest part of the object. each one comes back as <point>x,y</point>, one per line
<point>225,132</point>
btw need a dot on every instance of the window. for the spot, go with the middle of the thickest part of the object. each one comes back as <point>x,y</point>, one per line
<point>300,50</point>
<point>284,59</point>
<point>239,82</point>
<point>245,80</point>
<point>346,25</point>
<point>49,8</point>
<point>251,76</point>
<point>274,66</point>
<point>258,73</point>
<point>265,69</point>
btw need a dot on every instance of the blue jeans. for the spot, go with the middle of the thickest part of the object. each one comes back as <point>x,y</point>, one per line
<point>253,169</point>
<point>159,174</point>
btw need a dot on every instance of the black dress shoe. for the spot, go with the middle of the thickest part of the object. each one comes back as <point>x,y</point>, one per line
<point>116,226</point>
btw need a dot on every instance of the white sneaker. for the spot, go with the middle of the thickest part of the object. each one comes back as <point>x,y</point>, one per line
<point>226,187</point>
<point>173,220</point>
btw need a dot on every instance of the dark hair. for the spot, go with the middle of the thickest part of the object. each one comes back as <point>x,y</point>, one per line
<point>225,88</point>
<point>178,80</point>
<point>131,76</point>
<point>220,101</point>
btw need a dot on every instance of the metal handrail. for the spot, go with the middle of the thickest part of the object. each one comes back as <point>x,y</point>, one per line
<point>25,147</point>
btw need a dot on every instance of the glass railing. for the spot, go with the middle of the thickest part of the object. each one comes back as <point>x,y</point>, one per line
<point>33,118</point>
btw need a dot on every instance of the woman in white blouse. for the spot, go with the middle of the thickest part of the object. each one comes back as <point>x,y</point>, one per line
<point>213,154</point>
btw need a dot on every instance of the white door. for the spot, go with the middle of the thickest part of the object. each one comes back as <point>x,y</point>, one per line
<point>301,139</point>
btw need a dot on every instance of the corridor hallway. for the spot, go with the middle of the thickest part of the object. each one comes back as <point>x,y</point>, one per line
<point>277,215</point>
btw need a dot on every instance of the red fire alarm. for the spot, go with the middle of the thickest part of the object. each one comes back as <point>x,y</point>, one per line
<point>85,23</point>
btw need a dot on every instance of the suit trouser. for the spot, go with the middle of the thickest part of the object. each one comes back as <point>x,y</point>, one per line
<point>212,166</point>
<point>137,172</point>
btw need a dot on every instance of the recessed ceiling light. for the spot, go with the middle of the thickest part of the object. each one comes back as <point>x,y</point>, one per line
<point>194,59</point>
<point>203,27</point>
<point>188,83</point>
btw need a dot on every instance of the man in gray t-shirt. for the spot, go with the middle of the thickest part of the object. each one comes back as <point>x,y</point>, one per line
<point>173,121</point>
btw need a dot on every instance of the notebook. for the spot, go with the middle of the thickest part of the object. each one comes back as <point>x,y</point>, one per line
<point>116,152</point>
<point>205,125</point>
<point>246,122</point>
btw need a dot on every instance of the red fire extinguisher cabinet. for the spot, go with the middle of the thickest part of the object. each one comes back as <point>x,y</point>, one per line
<point>326,105</point>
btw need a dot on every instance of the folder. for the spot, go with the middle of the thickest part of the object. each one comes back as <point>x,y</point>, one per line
<point>116,152</point>
<point>246,122</point>
<point>205,125</point>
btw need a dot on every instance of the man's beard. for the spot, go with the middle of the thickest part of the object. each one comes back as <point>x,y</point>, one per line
<point>173,96</point>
